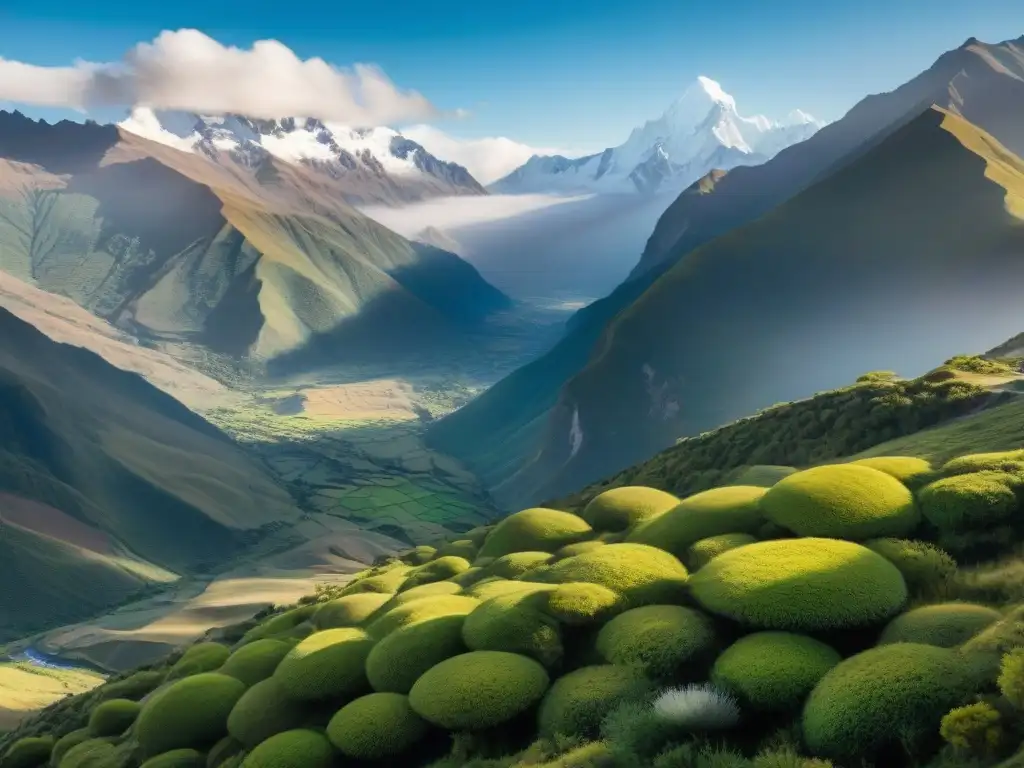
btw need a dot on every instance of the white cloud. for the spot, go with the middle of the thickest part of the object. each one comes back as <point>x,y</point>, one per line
<point>187,70</point>
<point>488,159</point>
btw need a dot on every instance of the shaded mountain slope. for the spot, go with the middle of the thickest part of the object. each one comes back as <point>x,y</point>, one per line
<point>877,265</point>
<point>981,81</point>
<point>169,245</point>
<point>107,483</point>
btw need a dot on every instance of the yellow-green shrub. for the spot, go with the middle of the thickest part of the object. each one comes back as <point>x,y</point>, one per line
<point>420,555</point>
<point>478,690</point>
<point>944,625</point>
<point>925,567</point>
<point>571,550</point>
<point>375,727</point>
<point>579,700</point>
<point>909,470</point>
<point>255,661</point>
<point>515,564</point>
<point>534,530</point>
<point>661,641</point>
<point>178,758</point>
<point>581,603</point>
<point>418,610</point>
<point>326,665</point>
<point>261,712</point>
<point>516,623</point>
<point>773,671</point>
<point>731,509</point>
<point>698,555</point>
<point>133,687</point>
<point>439,569</point>
<point>350,610</point>
<point>66,742</point>
<point>844,501</point>
<point>801,585</point>
<point>974,728</point>
<point>280,625</point>
<point>620,508</point>
<point>94,753</point>
<point>202,657</point>
<point>463,548</point>
<point>999,461</point>
<point>224,750</point>
<point>963,502</point>
<point>113,717</point>
<point>192,712</point>
<point>1011,677</point>
<point>485,590</point>
<point>397,660</point>
<point>292,749</point>
<point>29,752</point>
<point>434,589</point>
<point>387,581</point>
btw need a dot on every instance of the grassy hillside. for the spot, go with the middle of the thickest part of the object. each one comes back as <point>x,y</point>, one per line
<point>908,281</point>
<point>169,245</point>
<point>982,82</point>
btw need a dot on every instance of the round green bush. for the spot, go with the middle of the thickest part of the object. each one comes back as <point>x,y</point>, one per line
<point>95,753</point>
<point>944,625</point>
<point>478,690</point>
<point>326,665</point>
<point>66,742</point>
<point>397,661</point>
<point>388,581</point>
<point>731,509</point>
<point>224,750</point>
<point>113,717</point>
<point>264,710</point>
<point>801,585</point>
<point>843,501</point>
<point>534,530</point>
<point>292,749</point>
<point>349,611</point>
<point>516,623</point>
<point>202,657</point>
<point>1000,461</point>
<point>621,508</point>
<point>434,589</point>
<point>436,570</point>
<point>773,671</point>
<point>192,712</point>
<point>571,550</point>
<point>581,603</point>
<point>643,575</point>
<point>871,700</point>
<point>376,727</point>
<point>178,758</point>
<point>468,577</point>
<point>698,555</point>
<point>29,752</point>
<point>924,566</point>
<point>133,687</point>
<point>418,610</point>
<point>578,702</point>
<point>514,565</point>
<point>463,548</point>
<point>279,625</point>
<point>968,501</point>
<point>485,590</point>
<point>255,661</point>
<point>909,470</point>
<point>661,641</point>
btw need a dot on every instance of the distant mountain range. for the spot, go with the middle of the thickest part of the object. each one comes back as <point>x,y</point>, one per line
<point>865,246</point>
<point>372,165</point>
<point>700,131</point>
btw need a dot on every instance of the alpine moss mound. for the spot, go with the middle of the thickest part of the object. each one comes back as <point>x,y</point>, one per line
<point>377,726</point>
<point>349,611</point>
<point>945,625</point>
<point>300,748</point>
<point>326,665</point>
<point>256,661</point>
<point>190,713</point>
<point>534,530</point>
<point>665,642</point>
<point>803,585</point>
<point>263,711</point>
<point>579,701</point>
<point>622,508</point>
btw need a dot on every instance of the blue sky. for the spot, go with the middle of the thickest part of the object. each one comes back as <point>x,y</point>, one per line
<point>553,73</point>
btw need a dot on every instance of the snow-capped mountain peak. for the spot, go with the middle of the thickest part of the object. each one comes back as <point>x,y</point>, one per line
<point>376,164</point>
<point>702,129</point>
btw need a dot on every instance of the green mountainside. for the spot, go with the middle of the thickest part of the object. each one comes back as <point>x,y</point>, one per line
<point>171,246</point>
<point>982,82</point>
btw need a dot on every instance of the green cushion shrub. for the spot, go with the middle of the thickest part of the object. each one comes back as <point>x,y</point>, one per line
<point>516,623</point>
<point>773,671</point>
<point>870,701</point>
<point>202,657</point>
<point>468,577</point>
<point>802,585</point>
<point>909,470</point>
<point>262,711</point>
<point>300,748</point>
<point>534,530</point>
<point>478,690</point>
<point>999,637</point>
<point>29,752</point>
<point>113,717</point>
<point>397,661</point>
<point>463,548</point>
<point>843,501</point>
<point>255,661</point>
<point>663,642</point>
<point>999,461</point>
<point>375,727</point>
<point>571,550</point>
<point>326,665</point>
<point>134,687</point>
<point>388,581</point>
<point>192,712</point>
<point>434,589</point>
<point>731,509</point>
<point>485,590</point>
<point>177,758</point>
<point>1011,677</point>
<point>643,575</point>
<point>418,610</point>
<point>224,750</point>
<point>944,625</point>
<point>280,624</point>
<point>515,564</point>
<point>925,567</point>
<point>620,508</point>
<point>94,753</point>
<point>66,742</point>
<point>700,552</point>
<point>350,610</point>
<point>578,701</point>
<point>968,501</point>
<point>582,603</point>
<point>438,569</point>
<point>420,555</point>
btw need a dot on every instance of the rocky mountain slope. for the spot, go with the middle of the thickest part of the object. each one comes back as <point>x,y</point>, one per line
<point>267,262</point>
<point>368,166</point>
<point>700,131</point>
<point>502,430</point>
